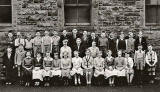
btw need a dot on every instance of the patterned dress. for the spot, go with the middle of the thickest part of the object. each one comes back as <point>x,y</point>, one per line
<point>120,65</point>
<point>77,62</point>
<point>66,65</point>
<point>99,66</point>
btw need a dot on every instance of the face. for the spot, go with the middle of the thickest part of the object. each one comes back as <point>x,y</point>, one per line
<point>47,54</point>
<point>78,41</point>
<point>126,55</point>
<point>38,55</point>
<point>74,31</point>
<point>85,33</point>
<point>64,32</point>
<point>109,53</point>
<point>139,47</point>
<point>93,34</point>
<point>65,43</point>
<point>130,35</point>
<point>46,33</point>
<point>150,48</point>
<point>56,56</point>
<point>119,53</point>
<point>140,34</point>
<point>93,43</point>
<point>100,53</point>
<point>38,34</point>
<point>28,54</point>
<point>103,34</point>
<point>10,35</point>
<point>76,54</point>
<point>9,49</point>
<point>87,52</point>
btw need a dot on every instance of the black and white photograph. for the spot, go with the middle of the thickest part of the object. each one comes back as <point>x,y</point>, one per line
<point>79,45</point>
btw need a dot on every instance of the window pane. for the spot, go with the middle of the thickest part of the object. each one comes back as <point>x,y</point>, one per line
<point>84,14</point>
<point>5,2</point>
<point>71,15</point>
<point>71,1</point>
<point>158,17</point>
<point>151,14</point>
<point>5,15</point>
<point>84,1</point>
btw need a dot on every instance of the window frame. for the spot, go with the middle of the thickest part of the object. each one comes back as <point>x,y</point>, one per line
<point>10,23</point>
<point>146,5</point>
<point>78,5</point>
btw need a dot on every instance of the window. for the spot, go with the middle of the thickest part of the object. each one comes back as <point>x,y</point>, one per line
<point>152,12</point>
<point>5,13</point>
<point>77,12</point>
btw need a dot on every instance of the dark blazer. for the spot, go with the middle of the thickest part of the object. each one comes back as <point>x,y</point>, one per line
<point>38,64</point>
<point>81,50</point>
<point>143,43</point>
<point>8,63</point>
<point>72,40</point>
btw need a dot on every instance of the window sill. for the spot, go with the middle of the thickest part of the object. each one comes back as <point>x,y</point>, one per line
<point>77,24</point>
<point>6,24</point>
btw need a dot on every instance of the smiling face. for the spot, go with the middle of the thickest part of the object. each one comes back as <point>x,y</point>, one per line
<point>9,49</point>
<point>78,41</point>
<point>109,53</point>
<point>76,54</point>
<point>93,44</point>
<point>103,35</point>
<point>150,48</point>
<point>28,54</point>
<point>88,52</point>
<point>85,33</point>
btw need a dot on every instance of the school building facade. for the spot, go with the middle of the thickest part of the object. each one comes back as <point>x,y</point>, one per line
<point>90,15</point>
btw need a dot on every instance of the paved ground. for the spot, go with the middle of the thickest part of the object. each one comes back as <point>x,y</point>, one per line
<point>155,88</point>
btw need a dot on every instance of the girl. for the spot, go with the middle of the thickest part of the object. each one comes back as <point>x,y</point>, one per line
<point>8,64</point>
<point>27,66</point>
<point>129,68</point>
<point>151,60</point>
<point>37,44</point>
<point>120,66</point>
<point>65,48</point>
<point>77,71</point>
<point>94,50</point>
<point>47,65</point>
<point>99,68</point>
<point>139,64</point>
<point>37,72</point>
<point>87,65</point>
<point>46,43</point>
<point>56,72</point>
<point>110,71</point>
<point>18,58</point>
<point>103,43</point>
<point>65,66</point>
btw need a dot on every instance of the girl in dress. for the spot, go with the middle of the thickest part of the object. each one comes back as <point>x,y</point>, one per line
<point>27,66</point>
<point>99,68</point>
<point>110,71</point>
<point>37,70</point>
<point>129,68</point>
<point>47,65</point>
<point>94,50</point>
<point>77,71</point>
<point>56,72</point>
<point>18,58</point>
<point>120,65</point>
<point>46,43</point>
<point>66,66</point>
<point>139,64</point>
<point>87,65</point>
<point>151,61</point>
<point>37,44</point>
